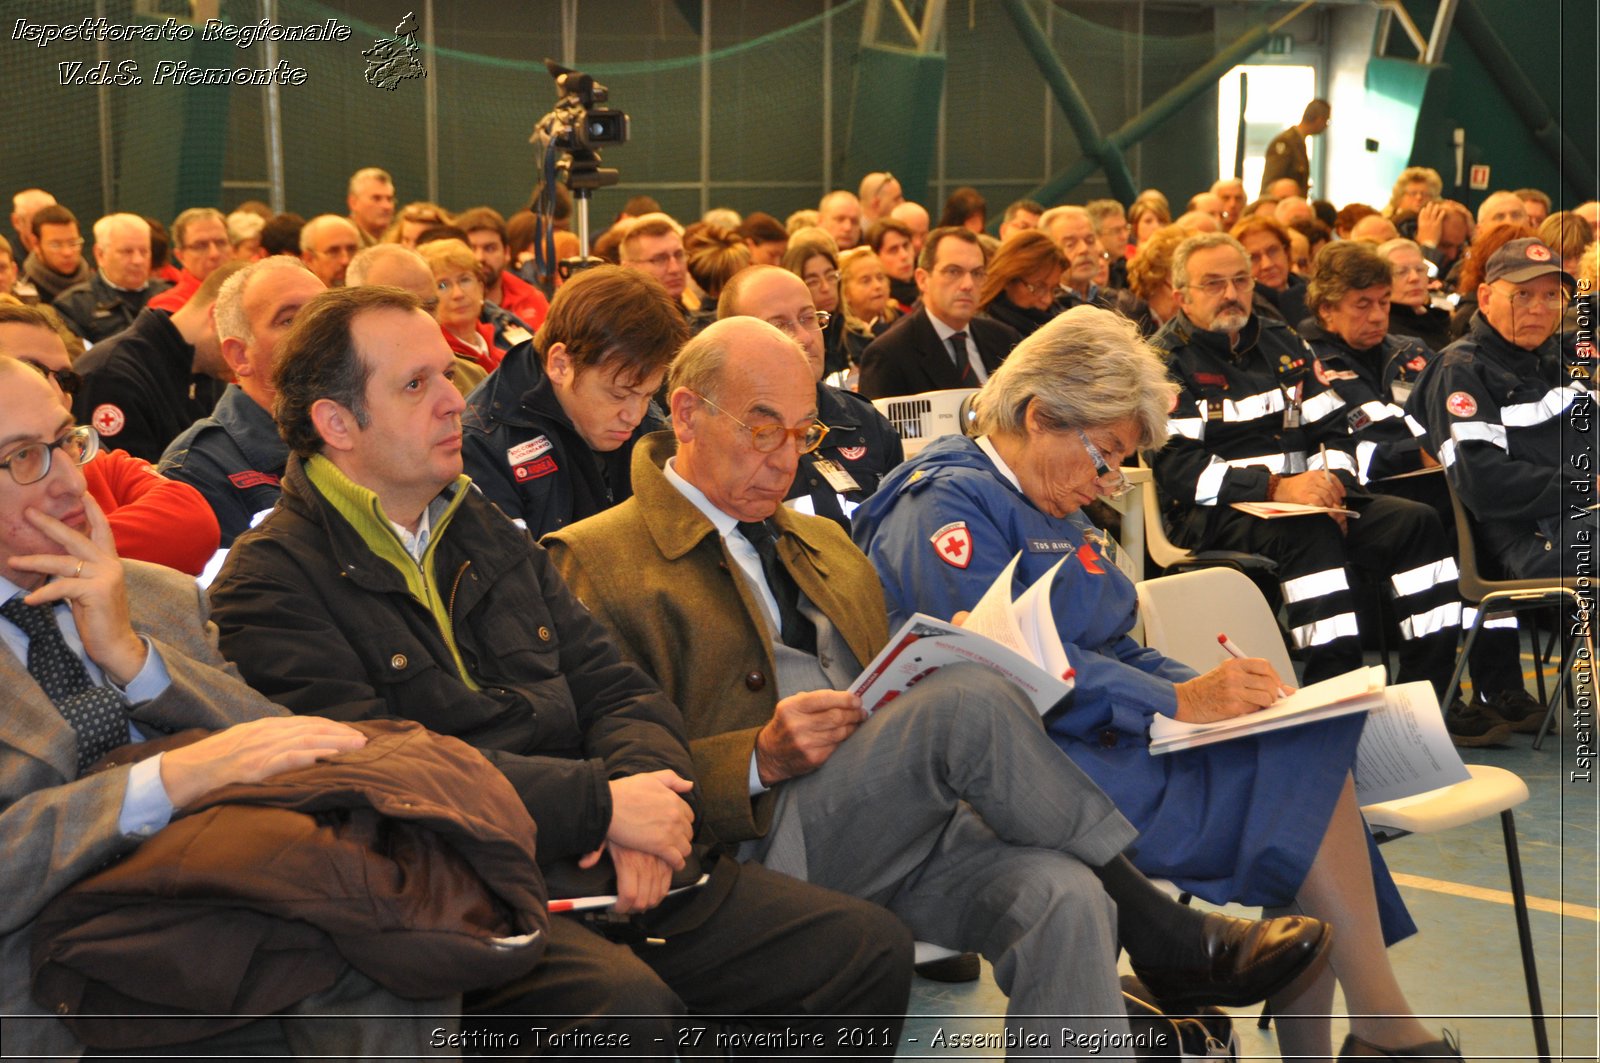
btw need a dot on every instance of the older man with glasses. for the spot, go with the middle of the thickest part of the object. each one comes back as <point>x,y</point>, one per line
<point>1258,420</point>
<point>860,444</point>
<point>952,807</point>
<point>1513,426</point>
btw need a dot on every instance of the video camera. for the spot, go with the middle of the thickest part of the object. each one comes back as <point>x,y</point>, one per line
<point>578,124</point>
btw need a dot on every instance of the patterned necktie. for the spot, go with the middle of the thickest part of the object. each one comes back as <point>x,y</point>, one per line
<point>97,713</point>
<point>958,351</point>
<point>796,630</point>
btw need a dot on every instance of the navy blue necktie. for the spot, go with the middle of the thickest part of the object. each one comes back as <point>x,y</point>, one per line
<point>796,631</point>
<point>97,713</point>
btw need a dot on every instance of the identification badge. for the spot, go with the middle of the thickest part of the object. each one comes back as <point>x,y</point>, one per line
<point>1291,411</point>
<point>1400,392</point>
<point>837,476</point>
<point>1112,551</point>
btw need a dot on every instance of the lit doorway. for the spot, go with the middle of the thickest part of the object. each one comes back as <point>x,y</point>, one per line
<point>1276,97</point>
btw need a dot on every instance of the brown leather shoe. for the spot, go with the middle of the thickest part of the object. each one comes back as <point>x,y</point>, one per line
<point>1246,960</point>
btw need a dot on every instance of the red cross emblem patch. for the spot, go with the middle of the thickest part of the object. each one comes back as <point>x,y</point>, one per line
<point>953,544</point>
<point>107,419</point>
<point>853,453</point>
<point>1461,404</point>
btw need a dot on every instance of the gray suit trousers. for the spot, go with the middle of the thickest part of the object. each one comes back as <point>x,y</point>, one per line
<point>954,809</point>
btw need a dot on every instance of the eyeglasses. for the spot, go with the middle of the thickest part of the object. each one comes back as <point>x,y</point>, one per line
<point>769,437</point>
<point>818,280</point>
<point>662,260</point>
<point>65,379</point>
<point>1522,299</point>
<point>63,245</point>
<point>1110,481</point>
<point>206,245</point>
<point>953,274</point>
<point>31,463</point>
<point>1034,289</point>
<point>795,327</point>
<point>1215,286</point>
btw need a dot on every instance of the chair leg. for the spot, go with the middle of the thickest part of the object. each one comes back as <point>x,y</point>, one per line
<point>1530,971</point>
<point>1533,644</point>
<point>1461,658</point>
<point>1565,682</point>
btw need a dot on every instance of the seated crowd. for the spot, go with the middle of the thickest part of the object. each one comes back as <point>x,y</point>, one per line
<point>593,559</point>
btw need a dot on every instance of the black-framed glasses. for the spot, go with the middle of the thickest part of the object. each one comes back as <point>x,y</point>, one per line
<point>1110,481</point>
<point>65,379</point>
<point>769,437</point>
<point>30,463</point>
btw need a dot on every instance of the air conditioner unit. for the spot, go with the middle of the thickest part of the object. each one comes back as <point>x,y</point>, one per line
<point>920,419</point>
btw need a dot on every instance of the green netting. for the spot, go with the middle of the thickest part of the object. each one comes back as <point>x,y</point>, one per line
<point>795,104</point>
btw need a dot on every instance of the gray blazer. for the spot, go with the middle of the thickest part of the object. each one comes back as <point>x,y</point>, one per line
<point>55,828</point>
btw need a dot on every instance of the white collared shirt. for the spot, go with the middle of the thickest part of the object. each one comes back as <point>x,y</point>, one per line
<point>744,555</point>
<point>944,332</point>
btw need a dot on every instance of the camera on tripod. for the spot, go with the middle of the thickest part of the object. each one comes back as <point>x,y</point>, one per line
<point>580,123</point>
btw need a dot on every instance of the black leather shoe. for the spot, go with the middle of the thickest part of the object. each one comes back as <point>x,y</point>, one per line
<point>1445,1050</point>
<point>962,967</point>
<point>1244,961</point>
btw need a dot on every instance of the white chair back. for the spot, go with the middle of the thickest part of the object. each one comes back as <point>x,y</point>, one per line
<point>1184,614</point>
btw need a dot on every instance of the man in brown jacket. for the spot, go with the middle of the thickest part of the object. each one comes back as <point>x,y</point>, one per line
<point>952,808</point>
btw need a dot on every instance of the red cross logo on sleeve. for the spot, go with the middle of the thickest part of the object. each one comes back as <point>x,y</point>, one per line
<point>107,419</point>
<point>953,544</point>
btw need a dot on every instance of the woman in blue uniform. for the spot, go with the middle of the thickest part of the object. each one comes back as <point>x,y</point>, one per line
<point>1270,820</point>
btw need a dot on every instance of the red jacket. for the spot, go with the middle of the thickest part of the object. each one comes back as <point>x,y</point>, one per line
<point>152,518</point>
<point>523,299</point>
<point>174,298</point>
<point>489,361</point>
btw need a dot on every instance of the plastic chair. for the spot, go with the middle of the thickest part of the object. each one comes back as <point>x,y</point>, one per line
<point>1516,595</point>
<point>1171,557</point>
<point>1231,604</point>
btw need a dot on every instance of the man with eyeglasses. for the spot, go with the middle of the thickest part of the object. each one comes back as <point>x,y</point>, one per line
<point>152,518</point>
<point>143,386</point>
<point>653,245</point>
<point>56,262</point>
<point>383,584</point>
<point>944,344</point>
<point>1411,309</point>
<point>200,240</point>
<point>1514,431</point>
<point>97,653</point>
<point>1258,420</point>
<point>861,445</point>
<point>121,287</point>
<point>951,807</point>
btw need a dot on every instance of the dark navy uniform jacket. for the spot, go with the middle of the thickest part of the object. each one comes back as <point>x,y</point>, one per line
<point>235,458</point>
<point>1375,385</point>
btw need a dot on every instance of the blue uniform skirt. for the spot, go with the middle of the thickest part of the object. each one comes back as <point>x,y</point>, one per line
<point>1241,821</point>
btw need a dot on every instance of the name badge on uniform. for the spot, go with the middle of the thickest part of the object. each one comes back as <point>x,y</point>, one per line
<point>1112,551</point>
<point>837,476</point>
<point>1400,392</point>
<point>1291,411</point>
<point>1051,546</point>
